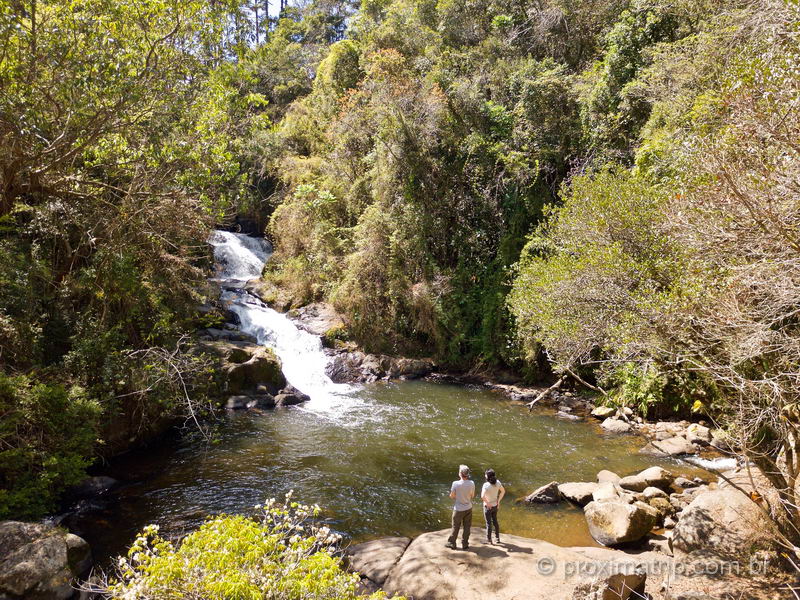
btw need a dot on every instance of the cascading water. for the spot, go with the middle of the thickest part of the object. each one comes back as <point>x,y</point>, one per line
<point>241,258</point>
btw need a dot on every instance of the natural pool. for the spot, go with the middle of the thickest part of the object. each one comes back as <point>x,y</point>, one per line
<point>378,459</point>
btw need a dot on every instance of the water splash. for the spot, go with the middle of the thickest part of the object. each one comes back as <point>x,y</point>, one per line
<point>240,258</point>
<point>718,464</point>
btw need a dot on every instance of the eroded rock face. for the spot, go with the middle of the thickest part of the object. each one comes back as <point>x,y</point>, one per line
<point>613,522</point>
<point>722,522</point>
<point>317,318</point>
<point>355,367</point>
<point>619,586</point>
<point>39,562</point>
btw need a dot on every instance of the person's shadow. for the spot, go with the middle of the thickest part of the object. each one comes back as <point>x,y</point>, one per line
<point>497,550</point>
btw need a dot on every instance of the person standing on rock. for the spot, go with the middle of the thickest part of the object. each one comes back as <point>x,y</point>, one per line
<point>462,491</point>
<point>491,494</point>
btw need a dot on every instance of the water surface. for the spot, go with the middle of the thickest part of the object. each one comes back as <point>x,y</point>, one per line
<point>380,466</point>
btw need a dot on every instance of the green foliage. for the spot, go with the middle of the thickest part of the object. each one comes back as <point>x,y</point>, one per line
<point>47,437</point>
<point>602,264</point>
<point>281,555</point>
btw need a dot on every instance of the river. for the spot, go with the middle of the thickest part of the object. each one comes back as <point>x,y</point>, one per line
<point>377,458</point>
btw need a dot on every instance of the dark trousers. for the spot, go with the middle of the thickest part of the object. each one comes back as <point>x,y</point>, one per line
<point>490,514</point>
<point>461,517</point>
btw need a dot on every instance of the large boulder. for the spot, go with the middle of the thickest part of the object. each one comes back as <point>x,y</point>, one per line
<point>612,523</point>
<point>245,368</point>
<point>722,522</point>
<point>608,491</point>
<point>375,559</point>
<point>39,562</point>
<point>255,365</point>
<point>579,493</point>
<point>546,494</point>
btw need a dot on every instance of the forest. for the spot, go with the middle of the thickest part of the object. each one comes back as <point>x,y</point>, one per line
<point>605,191</point>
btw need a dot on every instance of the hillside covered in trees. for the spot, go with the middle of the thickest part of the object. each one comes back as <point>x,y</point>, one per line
<point>607,188</point>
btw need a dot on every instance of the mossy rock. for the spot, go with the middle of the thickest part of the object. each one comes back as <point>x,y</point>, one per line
<point>336,337</point>
<point>262,368</point>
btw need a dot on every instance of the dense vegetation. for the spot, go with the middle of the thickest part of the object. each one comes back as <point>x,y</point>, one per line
<point>606,188</point>
<point>281,555</point>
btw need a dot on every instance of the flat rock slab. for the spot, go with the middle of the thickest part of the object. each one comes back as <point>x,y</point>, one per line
<point>517,568</point>
<point>374,559</point>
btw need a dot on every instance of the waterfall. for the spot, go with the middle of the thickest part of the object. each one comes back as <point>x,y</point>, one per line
<point>240,258</point>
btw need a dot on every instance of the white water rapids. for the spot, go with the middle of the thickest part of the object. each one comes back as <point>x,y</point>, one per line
<point>240,258</point>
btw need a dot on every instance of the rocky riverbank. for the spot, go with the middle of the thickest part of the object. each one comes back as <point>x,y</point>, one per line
<point>717,546</point>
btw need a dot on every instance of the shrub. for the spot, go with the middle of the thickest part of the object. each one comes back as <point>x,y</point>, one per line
<point>282,554</point>
<point>47,433</point>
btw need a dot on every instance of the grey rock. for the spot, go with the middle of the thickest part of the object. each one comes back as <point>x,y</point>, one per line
<point>616,425</point>
<point>651,477</point>
<point>547,494</point>
<point>658,543</point>
<point>674,446</point>
<point>567,416</point>
<point>579,493</point>
<point>657,477</point>
<point>607,491</point>
<point>39,562</point>
<point>619,586</point>
<point>698,434</point>
<point>634,483</point>
<point>603,412</point>
<point>611,523</point>
<point>293,391</point>
<point>288,400</point>
<point>376,558</point>
<point>654,492</point>
<point>722,522</point>
<point>684,483</point>
<point>604,476</point>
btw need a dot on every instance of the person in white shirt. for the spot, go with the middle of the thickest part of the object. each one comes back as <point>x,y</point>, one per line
<point>462,491</point>
<point>491,494</point>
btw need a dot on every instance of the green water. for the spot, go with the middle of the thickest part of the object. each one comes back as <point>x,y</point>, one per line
<point>379,462</point>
